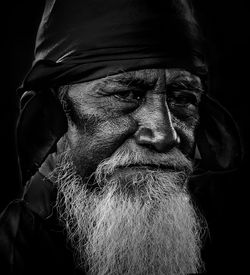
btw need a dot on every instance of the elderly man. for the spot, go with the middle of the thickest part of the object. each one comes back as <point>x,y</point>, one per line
<point>115,119</point>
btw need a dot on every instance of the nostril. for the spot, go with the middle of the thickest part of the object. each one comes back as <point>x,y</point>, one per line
<point>144,135</point>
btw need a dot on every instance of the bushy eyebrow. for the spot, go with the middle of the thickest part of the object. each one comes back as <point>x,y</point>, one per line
<point>188,83</point>
<point>131,80</point>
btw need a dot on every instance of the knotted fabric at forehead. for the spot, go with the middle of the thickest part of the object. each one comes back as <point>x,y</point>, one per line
<point>82,40</point>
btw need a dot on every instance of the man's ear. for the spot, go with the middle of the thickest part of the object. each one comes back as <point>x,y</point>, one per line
<point>41,124</point>
<point>218,137</point>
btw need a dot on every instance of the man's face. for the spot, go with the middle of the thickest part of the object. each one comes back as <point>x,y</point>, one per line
<point>123,179</point>
<point>152,110</point>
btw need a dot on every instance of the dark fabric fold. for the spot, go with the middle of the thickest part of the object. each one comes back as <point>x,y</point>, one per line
<point>91,39</point>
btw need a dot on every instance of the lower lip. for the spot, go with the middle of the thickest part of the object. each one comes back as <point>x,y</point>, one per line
<point>146,167</point>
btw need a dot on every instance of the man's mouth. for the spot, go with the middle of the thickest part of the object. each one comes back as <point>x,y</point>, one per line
<point>155,167</point>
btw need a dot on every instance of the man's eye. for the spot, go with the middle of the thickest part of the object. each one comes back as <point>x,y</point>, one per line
<point>130,96</point>
<point>183,99</point>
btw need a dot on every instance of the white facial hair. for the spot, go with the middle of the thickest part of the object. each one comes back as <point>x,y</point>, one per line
<point>140,224</point>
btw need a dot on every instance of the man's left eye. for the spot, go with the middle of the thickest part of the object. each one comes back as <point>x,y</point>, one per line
<point>183,99</point>
<point>129,96</point>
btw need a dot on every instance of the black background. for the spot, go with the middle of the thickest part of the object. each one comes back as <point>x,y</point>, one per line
<point>225,25</point>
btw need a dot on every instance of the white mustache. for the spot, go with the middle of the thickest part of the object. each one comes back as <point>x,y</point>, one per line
<point>130,155</point>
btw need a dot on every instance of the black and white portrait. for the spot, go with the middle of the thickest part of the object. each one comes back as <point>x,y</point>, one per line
<point>124,137</point>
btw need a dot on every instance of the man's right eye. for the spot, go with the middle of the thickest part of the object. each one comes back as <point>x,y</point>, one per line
<point>133,96</point>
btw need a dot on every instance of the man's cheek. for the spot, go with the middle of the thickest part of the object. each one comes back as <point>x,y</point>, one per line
<point>92,148</point>
<point>186,132</point>
<point>109,136</point>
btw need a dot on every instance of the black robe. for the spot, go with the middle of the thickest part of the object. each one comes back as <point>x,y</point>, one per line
<point>32,241</point>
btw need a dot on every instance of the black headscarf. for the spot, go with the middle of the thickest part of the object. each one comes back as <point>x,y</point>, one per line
<point>82,40</point>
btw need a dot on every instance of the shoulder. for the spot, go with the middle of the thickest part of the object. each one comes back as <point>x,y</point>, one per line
<point>31,243</point>
<point>17,226</point>
<point>14,216</point>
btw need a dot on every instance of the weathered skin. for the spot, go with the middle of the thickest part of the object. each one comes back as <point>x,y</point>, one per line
<point>153,108</point>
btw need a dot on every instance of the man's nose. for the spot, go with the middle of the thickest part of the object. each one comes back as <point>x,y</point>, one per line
<point>156,130</point>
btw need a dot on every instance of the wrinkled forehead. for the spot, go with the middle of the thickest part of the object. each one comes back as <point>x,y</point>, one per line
<point>152,75</point>
<point>145,76</point>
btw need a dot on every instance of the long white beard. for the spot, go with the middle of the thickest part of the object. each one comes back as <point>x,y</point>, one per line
<point>141,224</point>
